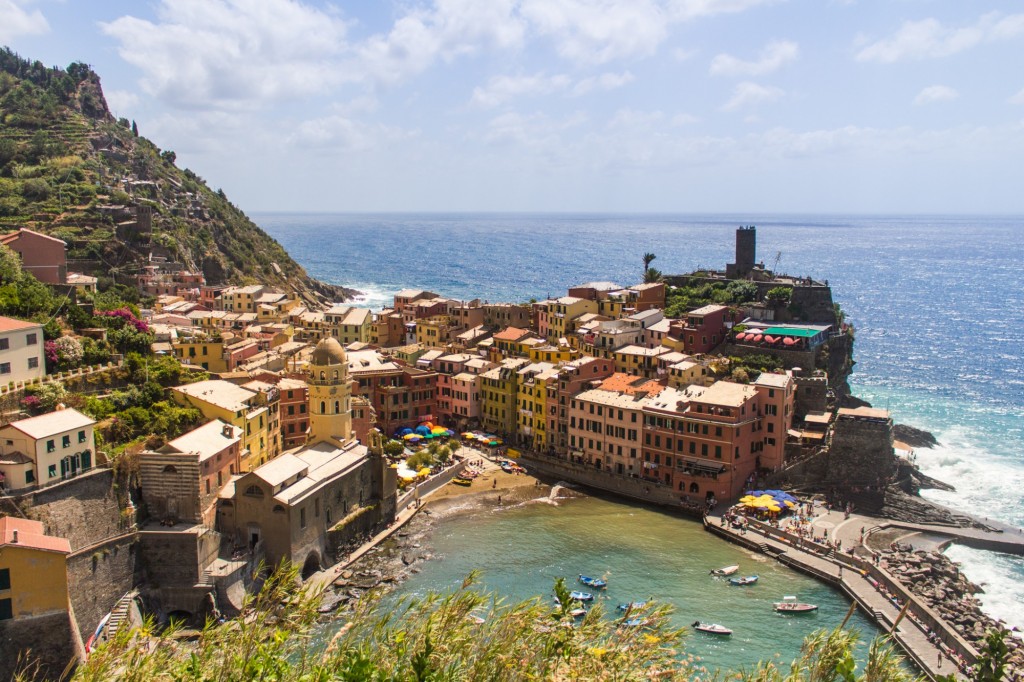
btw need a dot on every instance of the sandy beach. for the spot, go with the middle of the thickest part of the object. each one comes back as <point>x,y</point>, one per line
<point>492,482</point>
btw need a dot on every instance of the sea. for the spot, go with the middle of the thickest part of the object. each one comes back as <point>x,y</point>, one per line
<point>937,303</point>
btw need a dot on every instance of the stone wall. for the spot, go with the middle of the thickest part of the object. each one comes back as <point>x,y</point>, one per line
<point>805,359</point>
<point>98,576</point>
<point>174,562</point>
<point>812,303</point>
<point>811,395</point>
<point>48,640</point>
<point>861,457</point>
<point>84,509</point>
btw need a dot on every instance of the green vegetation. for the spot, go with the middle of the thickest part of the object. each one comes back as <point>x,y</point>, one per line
<point>748,368</point>
<point>442,638</point>
<point>681,300</point>
<point>63,159</point>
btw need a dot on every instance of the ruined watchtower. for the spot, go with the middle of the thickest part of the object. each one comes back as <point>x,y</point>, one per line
<point>746,252</point>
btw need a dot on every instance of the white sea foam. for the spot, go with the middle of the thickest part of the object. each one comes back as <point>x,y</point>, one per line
<point>995,573</point>
<point>372,296</point>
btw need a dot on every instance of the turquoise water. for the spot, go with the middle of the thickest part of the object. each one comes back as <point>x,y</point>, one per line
<point>520,551</point>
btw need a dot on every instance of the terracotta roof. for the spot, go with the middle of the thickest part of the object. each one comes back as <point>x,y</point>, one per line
<point>9,324</point>
<point>52,423</point>
<point>31,534</point>
<point>630,384</point>
<point>8,238</point>
<point>510,334</point>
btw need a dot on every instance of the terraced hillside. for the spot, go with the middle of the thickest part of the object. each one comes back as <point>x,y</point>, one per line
<point>68,168</point>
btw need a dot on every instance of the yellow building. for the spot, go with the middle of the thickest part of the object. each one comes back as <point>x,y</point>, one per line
<point>686,373</point>
<point>204,351</point>
<point>638,360</point>
<point>241,299</point>
<point>33,570</point>
<point>256,411</point>
<point>532,399</point>
<point>562,313</point>
<point>499,389</point>
<point>348,324</point>
<point>554,354</point>
<point>434,332</point>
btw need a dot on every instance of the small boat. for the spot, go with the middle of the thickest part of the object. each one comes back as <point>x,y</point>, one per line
<point>789,604</point>
<point>576,595</point>
<point>633,623</point>
<point>745,580</point>
<point>578,612</point>
<point>631,605</point>
<point>711,628</point>
<point>462,481</point>
<point>95,637</point>
<point>725,570</point>
<point>593,582</point>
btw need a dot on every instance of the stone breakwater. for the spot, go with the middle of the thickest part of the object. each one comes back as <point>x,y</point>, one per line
<point>938,582</point>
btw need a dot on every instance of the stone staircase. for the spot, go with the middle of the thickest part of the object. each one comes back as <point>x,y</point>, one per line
<point>119,615</point>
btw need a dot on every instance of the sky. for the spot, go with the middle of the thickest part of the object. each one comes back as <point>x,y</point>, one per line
<point>738,106</point>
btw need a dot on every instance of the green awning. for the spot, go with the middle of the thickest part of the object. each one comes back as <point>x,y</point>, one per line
<point>792,331</point>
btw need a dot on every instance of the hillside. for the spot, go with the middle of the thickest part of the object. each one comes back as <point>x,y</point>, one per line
<point>69,169</point>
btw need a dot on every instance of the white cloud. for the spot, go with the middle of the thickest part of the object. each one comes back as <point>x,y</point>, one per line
<point>747,94</point>
<point>633,119</point>
<point>774,55</point>
<point>928,38</point>
<point>536,131</point>
<point>501,89</point>
<point>1018,98</point>
<point>449,29</point>
<point>684,119</point>
<point>121,101</point>
<point>685,10</point>
<point>936,93</point>
<point>599,31</point>
<point>16,20</point>
<point>232,52</point>
<point>342,133</point>
<point>604,82</point>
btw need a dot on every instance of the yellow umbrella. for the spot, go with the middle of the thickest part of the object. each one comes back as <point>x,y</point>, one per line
<point>790,504</point>
<point>747,498</point>
<point>774,508</point>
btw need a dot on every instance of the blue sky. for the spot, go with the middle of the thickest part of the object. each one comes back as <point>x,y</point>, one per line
<point>907,106</point>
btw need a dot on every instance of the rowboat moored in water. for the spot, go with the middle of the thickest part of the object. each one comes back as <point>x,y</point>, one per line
<point>725,570</point>
<point>791,605</point>
<point>745,580</point>
<point>593,582</point>
<point>581,596</point>
<point>711,628</point>
<point>631,605</point>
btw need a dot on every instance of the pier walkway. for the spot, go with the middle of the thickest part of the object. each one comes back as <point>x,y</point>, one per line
<point>857,584</point>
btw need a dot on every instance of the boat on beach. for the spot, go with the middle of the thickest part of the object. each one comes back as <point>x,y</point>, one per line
<point>745,580</point>
<point>597,583</point>
<point>458,480</point>
<point>789,604</point>
<point>581,596</point>
<point>711,628</point>
<point>725,570</point>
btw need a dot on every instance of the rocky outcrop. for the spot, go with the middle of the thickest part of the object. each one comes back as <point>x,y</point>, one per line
<point>914,437</point>
<point>940,584</point>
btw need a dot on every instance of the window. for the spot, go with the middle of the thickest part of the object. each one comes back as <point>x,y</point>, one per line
<point>6,612</point>
<point>33,363</point>
<point>5,344</point>
<point>5,578</point>
<point>65,441</point>
<point>50,445</point>
<point>5,368</point>
<point>254,491</point>
<point>31,339</point>
<point>302,518</point>
<point>81,436</point>
<point>30,476</point>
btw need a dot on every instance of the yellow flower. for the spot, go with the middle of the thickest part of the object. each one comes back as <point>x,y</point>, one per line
<point>651,639</point>
<point>598,652</point>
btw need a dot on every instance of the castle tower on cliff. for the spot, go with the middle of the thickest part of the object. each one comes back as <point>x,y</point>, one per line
<point>330,394</point>
<point>746,253</point>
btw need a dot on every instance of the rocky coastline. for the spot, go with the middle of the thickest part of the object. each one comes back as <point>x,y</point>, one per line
<point>938,581</point>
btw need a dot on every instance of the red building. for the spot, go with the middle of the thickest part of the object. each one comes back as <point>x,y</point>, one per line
<point>573,377</point>
<point>294,412</point>
<point>42,256</point>
<point>702,329</point>
<point>704,442</point>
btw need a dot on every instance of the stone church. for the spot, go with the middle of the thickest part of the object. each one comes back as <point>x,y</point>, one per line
<point>304,504</point>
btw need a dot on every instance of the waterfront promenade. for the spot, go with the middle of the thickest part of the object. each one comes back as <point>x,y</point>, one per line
<point>855,581</point>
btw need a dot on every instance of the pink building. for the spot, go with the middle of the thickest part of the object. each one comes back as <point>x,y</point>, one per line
<point>573,377</point>
<point>702,329</point>
<point>42,256</point>
<point>777,395</point>
<point>604,430</point>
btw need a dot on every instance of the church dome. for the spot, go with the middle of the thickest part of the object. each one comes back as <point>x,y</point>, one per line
<point>328,352</point>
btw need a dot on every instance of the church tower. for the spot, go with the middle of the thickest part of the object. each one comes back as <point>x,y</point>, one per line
<point>330,394</point>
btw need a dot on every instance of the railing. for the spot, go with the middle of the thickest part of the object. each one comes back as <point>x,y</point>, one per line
<point>14,386</point>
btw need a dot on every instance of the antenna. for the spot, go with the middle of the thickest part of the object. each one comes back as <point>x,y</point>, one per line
<point>775,265</point>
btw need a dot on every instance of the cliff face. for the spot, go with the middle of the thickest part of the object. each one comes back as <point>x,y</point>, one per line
<point>70,170</point>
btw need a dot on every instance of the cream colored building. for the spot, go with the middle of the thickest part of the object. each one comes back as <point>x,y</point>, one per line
<point>46,449</point>
<point>21,350</point>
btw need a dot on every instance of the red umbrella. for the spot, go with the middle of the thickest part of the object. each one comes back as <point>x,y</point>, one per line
<point>788,341</point>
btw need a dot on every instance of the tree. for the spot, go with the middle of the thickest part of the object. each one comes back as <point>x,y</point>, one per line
<point>779,294</point>
<point>648,257</point>
<point>652,275</point>
<point>394,448</point>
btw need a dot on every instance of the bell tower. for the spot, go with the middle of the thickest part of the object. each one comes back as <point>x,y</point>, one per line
<point>330,394</point>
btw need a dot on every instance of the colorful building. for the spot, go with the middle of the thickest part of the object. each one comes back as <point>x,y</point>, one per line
<point>21,350</point>
<point>46,449</point>
<point>499,391</point>
<point>33,571</point>
<point>44,257</point>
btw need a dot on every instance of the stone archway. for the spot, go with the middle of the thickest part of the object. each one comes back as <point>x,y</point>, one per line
<point>311,565</point>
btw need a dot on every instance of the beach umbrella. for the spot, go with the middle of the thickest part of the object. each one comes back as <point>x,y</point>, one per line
<point>756,493</point>
<point>422,430</point>
<point>410,436</point>
<point>406,473</point>
<point>449,433</point>
<point>405,432</point>
<point>468,435</point>
<point>789,503</point>
<point>437,430</point>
